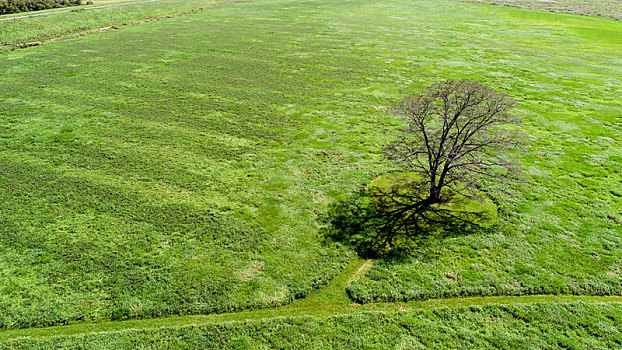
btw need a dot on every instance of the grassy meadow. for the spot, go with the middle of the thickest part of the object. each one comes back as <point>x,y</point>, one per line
<point>559,232</point>
<point>180,167</point>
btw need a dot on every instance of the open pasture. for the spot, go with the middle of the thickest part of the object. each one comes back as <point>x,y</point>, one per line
<point>180,166</point>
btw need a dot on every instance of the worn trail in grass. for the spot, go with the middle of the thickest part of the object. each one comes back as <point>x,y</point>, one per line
<point>330,300</point>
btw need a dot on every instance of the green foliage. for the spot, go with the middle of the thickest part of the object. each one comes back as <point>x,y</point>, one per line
<point>15,6</point>
<point>575,326</point>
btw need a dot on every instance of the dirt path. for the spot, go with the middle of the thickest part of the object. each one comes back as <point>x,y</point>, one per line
<point>330,300</point>
<point>362,271</point>
<point>74,9</point>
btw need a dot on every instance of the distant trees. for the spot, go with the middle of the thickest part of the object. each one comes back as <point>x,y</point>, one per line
<point>16,6</point>
<point>456,131</point>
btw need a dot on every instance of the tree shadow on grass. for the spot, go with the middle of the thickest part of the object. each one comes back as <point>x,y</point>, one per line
<point>359,222</point>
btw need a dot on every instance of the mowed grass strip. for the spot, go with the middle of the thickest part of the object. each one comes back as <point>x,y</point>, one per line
<point>329,301</point>
<point>179,166</point>
<point>553,325</point>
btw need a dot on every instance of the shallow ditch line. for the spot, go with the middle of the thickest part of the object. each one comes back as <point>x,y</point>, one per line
<point>76,9</point>
<point>311,306</point>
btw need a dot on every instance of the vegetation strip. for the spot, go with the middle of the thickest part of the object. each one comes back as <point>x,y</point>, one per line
<point>72,10</point>
<point>328,301</point>
<point>200,320</point>
<point>576,325</point>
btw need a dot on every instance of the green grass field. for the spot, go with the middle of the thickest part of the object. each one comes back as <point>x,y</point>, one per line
<point>180,166</point>
<point>559,232</point>
<point>330,319</point>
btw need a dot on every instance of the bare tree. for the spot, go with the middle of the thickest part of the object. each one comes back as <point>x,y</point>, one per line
<point>456,132</point>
